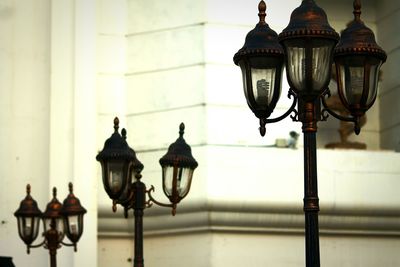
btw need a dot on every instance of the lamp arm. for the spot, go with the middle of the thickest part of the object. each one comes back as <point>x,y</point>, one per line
<point>264,121</point>
<point>170,205</point>
<point>70,245</point>
<point>28,247</point>
<point>287,113</point>
<point>355,120</point>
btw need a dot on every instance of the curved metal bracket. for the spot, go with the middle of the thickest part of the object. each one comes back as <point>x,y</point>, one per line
<point>28,248</point>
<point>355,120</point>
<point>290,110</point>
<point>152,199</point>
<point>264,121</point>
<point>70,245</point>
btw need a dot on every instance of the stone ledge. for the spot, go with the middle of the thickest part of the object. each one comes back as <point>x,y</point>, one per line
<point>219,216</point>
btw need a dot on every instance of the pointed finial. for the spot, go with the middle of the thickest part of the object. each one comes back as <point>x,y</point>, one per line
<point>181,129</point>
<point>116,124</point>
<point>261,11</point>
<point>54,192</point>
<point>71,188</point>
<point>28,189</point>
<point>114,206</point>
<point>357,9</point>
<point>123,133</point>
<point>262,127</point>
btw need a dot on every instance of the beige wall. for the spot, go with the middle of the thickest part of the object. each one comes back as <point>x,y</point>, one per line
<point>388,23</point>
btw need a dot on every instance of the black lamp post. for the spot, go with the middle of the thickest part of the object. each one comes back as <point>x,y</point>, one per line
<point>307,45</point>
<point>121,173</point>
<point>58,220</point>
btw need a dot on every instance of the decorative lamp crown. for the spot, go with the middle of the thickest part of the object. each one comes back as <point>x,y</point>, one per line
<point>179,153</point>
<point>308,20</point>
<point>260,41</point>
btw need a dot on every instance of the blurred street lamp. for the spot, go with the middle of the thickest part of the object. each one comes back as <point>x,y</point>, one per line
<point>121,173</point>
<point>308,45</point>
<point>58,220</point>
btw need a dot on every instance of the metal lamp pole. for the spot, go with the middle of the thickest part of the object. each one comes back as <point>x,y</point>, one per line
<point>122,179</point>
<point>58,220</point>
<point>308,46</point>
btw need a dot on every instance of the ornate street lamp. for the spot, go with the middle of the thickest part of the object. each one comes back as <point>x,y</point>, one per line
<point>309,49</point>
<point>121,174</point>
<point>58,220</point>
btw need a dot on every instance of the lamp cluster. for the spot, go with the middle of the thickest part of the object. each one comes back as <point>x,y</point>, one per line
<point>121,172</point>
<point>307,47</point>
<point>58,220</point>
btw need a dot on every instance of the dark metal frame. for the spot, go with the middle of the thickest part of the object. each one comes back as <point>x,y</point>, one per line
<point>55,210</point>
<point>308,23</point>
<point>135,195</point>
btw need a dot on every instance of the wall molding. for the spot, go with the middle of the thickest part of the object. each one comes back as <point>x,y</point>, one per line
<point>221,216</point>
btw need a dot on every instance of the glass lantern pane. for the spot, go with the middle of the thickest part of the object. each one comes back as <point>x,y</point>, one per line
<point>73,225</point>
<point>115,176</point>
<point>373,82</point>
<point>353,82</point>
<point>184,180</point>
<point>263,81</point>
<point>59,226</point>
<point>322,67</point>
<point>36,227</point>
<point>168,174</point>
<point>26,226</point>
<point>242,65</point>
<point>320,51</point>
<point>352,71</point>
<point>296,67</point>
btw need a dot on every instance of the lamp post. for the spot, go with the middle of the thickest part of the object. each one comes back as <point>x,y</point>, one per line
<point>308,46</point>
<point>121,173</point>
<point>58,220</point>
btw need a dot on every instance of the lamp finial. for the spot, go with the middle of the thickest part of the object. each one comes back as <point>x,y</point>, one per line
<point>357,9</point>
<point>54,192</point>
<point>28,189</point>
<point>181,129</point>
<point>71,188</point>
<point>261,11</point>
<point>116,124</point>
<point>123,133</point>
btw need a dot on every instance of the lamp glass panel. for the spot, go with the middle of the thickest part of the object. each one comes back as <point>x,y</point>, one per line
<point>321,66</point>
<point>167,174</point>
<point>73,225</point>
<point>298,69</point>
<point>115,176</point>
<point>243,67</point>
<point>263,81</point>
<point>28,227</point>
<point>59,226</point>
<point>373,81</point>
<point>352,71</point>
<point>183,181</point>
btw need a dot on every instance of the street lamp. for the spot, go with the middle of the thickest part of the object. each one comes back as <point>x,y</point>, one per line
<point>121,174</point>
<point>58,220</point>
<point>309,47</point>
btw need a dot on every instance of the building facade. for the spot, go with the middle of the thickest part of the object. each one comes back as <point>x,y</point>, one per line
<point>69,67</point>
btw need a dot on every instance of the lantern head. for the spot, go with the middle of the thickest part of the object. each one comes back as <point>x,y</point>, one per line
<point>177,169</point>
<point>261,61</point>
<point>358,59</point>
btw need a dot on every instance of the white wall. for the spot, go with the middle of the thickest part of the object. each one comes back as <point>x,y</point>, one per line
<point>49,117</point>
<point>388,23</point>
<point>246,199</point>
